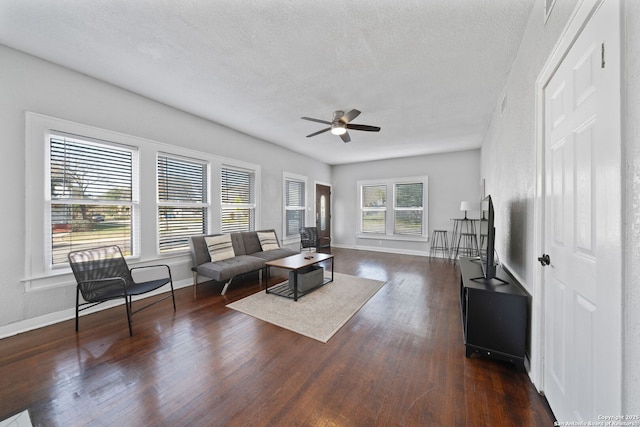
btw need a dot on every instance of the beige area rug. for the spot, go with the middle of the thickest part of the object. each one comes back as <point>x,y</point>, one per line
<point>319,314</point>
<point>19,420</point>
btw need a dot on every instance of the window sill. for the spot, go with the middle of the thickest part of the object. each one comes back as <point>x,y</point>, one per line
<point>61,276</point>
<point>396,237</point>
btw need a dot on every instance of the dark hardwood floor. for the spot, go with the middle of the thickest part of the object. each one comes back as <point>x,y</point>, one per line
<point>400,361</point>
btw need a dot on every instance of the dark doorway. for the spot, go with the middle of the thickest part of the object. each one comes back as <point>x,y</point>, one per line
<point>323,215</point>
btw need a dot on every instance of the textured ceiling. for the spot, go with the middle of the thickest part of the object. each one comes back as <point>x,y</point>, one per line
<point>428,72</point>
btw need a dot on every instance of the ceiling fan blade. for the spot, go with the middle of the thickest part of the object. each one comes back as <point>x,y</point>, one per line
<point>345,137</point>
<point>350,115</point>
<point>318,133</point>
<point>363,127</point>
<point>316,120</point>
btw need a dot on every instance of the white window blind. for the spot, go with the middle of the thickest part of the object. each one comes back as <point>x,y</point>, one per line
<point>295,206</point>
<point>93,196</point>
<point>408,208</point>
<point>182,202</point>
<point>238,206</point>
<point>374,209</point>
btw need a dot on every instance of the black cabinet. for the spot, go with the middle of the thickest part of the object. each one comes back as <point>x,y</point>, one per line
<point>494,314</point>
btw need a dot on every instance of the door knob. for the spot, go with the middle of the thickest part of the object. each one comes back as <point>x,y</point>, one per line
<point>544,259</point>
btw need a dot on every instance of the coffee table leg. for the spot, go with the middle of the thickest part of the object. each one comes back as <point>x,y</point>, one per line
<point>295,285</point>
<point>267,274</point>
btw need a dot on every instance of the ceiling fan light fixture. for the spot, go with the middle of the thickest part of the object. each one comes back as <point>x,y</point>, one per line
<point>337,129</point>
<point>340,124</point>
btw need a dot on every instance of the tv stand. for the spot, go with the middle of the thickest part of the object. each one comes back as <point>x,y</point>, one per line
<point>494,314</point>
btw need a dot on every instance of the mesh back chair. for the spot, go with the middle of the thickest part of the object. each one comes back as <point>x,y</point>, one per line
<point>102,275</point>
<point>308,238</point>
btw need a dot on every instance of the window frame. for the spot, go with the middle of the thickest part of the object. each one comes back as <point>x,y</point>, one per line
<point>365,209</point>
<point>286,177</point>
<point>391,209</point>
<point>39,272</point>
<point>175,204</point>
<point>397,209</point>
<point>50,200</point>
<point>251,206</point>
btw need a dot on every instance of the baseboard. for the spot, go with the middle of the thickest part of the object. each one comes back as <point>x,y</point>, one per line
<point>70,313</point>
<point>383,249</point>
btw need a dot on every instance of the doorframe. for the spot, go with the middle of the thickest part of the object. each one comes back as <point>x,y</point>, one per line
<point>579,18</point>
<point>315,208</point>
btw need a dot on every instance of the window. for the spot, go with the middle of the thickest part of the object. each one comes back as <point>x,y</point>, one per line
<point>374,208</point>
<point>405,219</point>
<point>238,205</point>
<point>295,203</point>
<point>88,187</point>
<point>408,208</point>
<point>182,201</point>
<point>93,196</point>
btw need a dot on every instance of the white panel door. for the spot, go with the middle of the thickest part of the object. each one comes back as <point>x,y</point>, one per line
<point>582,285</point>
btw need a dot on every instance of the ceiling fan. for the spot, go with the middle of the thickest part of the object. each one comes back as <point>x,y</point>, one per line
<point>340,124</point>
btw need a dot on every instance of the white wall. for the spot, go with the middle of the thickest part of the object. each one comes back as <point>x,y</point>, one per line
<point>509,150</point>
<point>453,177</point>
<point>31,84</point>
<point>508,163</point>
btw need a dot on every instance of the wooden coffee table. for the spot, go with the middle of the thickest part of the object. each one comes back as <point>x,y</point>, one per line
<point>296,263</point>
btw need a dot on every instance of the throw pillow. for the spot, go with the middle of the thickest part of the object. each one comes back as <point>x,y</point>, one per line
<point>220,247</point>
<point>268,240</point>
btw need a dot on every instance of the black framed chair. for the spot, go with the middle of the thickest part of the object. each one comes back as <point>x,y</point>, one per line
<point>308,238</point>
<point>102,275</point>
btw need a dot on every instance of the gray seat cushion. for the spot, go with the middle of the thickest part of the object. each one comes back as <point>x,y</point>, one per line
<point>221,271</point>
<point>274,254</point>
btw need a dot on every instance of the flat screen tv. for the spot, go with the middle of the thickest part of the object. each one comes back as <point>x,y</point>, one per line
<point>486,242</point>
